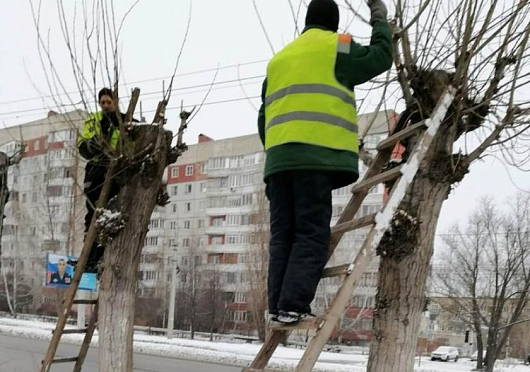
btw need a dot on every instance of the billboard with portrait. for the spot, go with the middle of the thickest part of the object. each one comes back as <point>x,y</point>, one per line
<point>60,273</point>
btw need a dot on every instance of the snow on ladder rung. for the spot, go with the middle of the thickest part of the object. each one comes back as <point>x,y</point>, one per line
<point>376,180</point>
<point>401,135</point>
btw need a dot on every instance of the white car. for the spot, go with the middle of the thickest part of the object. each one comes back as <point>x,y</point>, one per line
<point>445,354</point>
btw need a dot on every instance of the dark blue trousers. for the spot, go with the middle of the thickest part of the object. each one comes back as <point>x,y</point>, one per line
<point>300,212</point>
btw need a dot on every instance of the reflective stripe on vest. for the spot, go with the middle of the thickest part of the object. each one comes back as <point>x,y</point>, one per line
<point>304,102</point>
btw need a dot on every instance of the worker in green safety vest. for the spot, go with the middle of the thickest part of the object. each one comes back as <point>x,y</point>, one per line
<point>97,141</point>
<point>308,125</point>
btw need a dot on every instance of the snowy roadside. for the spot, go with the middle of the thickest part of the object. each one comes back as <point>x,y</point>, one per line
<point>239,354</point>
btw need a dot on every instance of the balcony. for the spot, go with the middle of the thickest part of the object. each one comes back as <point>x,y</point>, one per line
<point>228,229</point>
<point>221,211</point>
<point>226,248</point>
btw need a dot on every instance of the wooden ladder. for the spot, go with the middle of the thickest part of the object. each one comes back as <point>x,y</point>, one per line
<point>380,222</point>
<point>88,331</point>
<point>69,298</point>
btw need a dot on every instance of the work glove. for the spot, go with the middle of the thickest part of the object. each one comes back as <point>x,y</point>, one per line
<point>91,148</point>
<point>378,11</point>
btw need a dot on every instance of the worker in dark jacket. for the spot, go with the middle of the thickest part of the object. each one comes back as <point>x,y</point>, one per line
<point>308,125</point>
<point>98,139</point>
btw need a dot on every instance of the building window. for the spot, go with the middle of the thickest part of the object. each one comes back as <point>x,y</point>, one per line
<point>232,220</point>
<point>174,207</point>
<point>204,187</point>
<point>217,163</point>
<point>174,190</point>
<point>155,224</point>
<point>204,168</point>
<point>186,242</point>
<point>187,224</point>
<point>151,275</point>
<point>188,188</point>
<point>151,240</point>
<point>188,207</point>
<point>201,224</point>
<point>242,258</point>
<point>216,259</point>
<point>189,170</point>
<point>23,198</point>
<point>239,316</point>
<point>173,242</point>
<point>36,145</point>
<point>173,225</point>
<point>230,278</point>
<point>217,240</point>
<point>240,298</point>
<point>247,199</point>
<point>250,160</point>
<point>232,239</point>
<point>246,179</point>
<point>175,172</point>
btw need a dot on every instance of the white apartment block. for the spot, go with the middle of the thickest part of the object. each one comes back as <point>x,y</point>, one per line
<point>45,209</point>
<point>214,214</point>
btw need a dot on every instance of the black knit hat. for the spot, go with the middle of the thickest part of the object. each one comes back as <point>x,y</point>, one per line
<point>323,13</point>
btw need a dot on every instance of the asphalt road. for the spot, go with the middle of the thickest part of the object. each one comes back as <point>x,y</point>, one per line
<point>24,355</point>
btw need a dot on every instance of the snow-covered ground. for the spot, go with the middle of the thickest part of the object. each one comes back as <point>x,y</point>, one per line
<point>239,353</point>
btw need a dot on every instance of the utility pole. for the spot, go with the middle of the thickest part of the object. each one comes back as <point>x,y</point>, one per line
<point>171,315</point>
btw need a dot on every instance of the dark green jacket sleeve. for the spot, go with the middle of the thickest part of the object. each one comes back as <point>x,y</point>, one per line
<point>261,114</point>
<point>366,62</point>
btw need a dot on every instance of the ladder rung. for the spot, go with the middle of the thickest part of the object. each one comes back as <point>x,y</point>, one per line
<point>401,135</point>
<point>340,270</point>
<point>71,331</point>
<point>354,224</point>
<point>64,360</point>
<point>376,180</point>
<point>85,302</point>
<point>311,323</point>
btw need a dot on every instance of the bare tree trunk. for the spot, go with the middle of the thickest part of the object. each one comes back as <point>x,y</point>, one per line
<point>403,272</point>
<point>4,166</point>
<point>135,203</point>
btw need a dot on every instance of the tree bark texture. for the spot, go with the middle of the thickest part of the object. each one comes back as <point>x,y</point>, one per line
<point>140,183</point>
<point>403,271</point>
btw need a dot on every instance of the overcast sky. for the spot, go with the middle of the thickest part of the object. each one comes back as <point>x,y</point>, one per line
<point>222,33</point>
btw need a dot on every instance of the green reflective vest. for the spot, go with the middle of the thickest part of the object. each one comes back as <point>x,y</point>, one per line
<point>304,102</point>
<point>92,127</point>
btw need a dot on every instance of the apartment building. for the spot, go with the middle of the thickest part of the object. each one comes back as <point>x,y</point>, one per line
<point>216,222</point>
<point>218,215</point>
<point>45,209</point>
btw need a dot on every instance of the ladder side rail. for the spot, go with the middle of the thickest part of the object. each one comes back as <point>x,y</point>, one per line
<point>383,221</point>
<point>72,290</point>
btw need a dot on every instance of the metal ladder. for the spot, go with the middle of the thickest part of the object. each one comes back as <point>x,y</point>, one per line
<point>380,222</point>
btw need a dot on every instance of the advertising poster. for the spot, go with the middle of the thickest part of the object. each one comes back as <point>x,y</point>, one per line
<point>60,273</point>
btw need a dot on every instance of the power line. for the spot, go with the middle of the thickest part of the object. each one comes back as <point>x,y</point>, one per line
<point>145,94</point>
<point>142,81</point>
